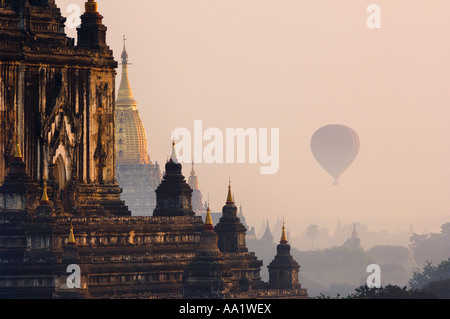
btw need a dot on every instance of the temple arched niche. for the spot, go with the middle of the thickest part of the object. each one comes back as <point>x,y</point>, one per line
<point>61,174</point>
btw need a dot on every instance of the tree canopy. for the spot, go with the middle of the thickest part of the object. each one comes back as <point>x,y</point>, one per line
<point>389,292</point>
<point>431,247</point>
<point>430,273</point>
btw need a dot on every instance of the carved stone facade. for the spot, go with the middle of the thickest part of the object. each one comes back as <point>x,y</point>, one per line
<point>57,102</point>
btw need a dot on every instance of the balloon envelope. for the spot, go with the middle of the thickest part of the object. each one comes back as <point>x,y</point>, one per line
<point>335,147</point>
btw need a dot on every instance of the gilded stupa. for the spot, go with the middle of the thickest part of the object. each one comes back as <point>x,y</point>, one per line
<point>136,174</point>
<point>131,140</point>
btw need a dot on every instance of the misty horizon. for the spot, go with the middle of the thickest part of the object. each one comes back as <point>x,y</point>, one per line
<point>298,67</point>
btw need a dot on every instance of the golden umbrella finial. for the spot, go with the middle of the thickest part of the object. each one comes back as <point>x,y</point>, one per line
<point>230,196</point>
<point>91,6</point>
<point>71,236</point>
<point>208,219</point>
<point>44,198</point>
<point>18,152</point>
<point>283,239</point>
<point>173,156</point>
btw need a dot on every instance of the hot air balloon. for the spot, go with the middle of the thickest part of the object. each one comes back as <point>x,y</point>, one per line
<point>335,147</point>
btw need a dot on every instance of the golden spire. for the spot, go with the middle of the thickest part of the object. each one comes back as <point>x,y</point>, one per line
<point>18,153</point>
<point>91,6</point>
<point>71,236</point>
<point>208,219</point>
<point>230,196</point>
<point>44,198</point>
<point>283,239</point>
<point>131,139</point>
<point>125,99</point>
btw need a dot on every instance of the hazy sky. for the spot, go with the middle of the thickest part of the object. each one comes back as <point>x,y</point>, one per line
<point>297,66</point>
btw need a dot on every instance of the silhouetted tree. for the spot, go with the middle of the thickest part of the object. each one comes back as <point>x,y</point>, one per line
<point>430,273</point>
<point>439,288</point>
<point>445,229</point>
<point>389,292</point>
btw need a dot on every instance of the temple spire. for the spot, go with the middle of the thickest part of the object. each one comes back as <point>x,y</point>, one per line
<point>208,219</point>
<point>354,233</point>
<point>71,236</point>
<point>193,180</point>
<point>125,97</point>
<point>124,55</point>
<point>18,152</point>
<point>283,239</point>
<point>230,196</point>
<point>44,198</point>
<point>173,156</point>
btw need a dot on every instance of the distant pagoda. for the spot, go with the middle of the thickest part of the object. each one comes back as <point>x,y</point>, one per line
<point>197,198</point>
<point>353,242</point>
<point>267,236</point>
<point>136,174</point>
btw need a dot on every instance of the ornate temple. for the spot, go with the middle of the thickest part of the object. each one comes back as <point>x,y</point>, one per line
<point>57,104</point>
<point>136,174</point>
<point>60,202</point>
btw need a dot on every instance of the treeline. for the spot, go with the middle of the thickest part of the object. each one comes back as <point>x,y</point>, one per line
<point>420,268</point>
<point>433,282</point>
